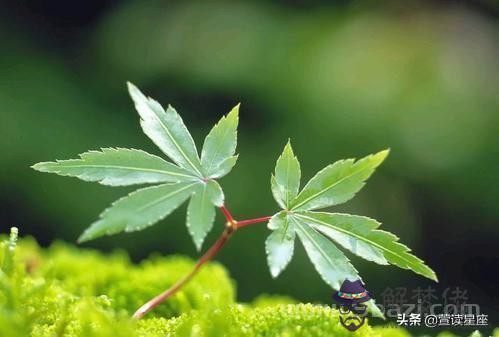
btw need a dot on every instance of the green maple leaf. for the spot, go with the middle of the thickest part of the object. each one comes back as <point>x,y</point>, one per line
<point>189,176</point>
<point>319,231</point>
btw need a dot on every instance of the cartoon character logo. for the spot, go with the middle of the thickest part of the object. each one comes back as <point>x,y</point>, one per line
<point>351,297</point>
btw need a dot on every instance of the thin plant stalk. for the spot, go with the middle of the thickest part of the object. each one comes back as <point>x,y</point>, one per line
<point>244,223</point>
<point>230,227</point>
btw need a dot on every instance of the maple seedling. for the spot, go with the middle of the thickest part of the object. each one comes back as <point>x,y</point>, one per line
<point>194,177</point>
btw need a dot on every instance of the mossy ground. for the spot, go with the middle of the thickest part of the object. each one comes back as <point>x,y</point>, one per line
<point>69,292</point>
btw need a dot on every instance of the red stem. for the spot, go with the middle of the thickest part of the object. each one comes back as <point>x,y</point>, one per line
<point>227,214</point>
<point>230,228</point>
<point>244,223</point>
<point>210,253</point>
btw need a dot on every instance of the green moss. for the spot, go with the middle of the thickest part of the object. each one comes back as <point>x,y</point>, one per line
<point>90,273</point>
<point>391,331</point>
<point>265,300</point>
<point>63,291</point>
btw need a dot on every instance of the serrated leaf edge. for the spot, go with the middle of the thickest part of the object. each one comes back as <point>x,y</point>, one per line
<point>38,168</point>
<point>274,273</point>
<point>199,242</point>
<point>406,249</point>
<point>354,162</point>
<point>297,225</point>
<point>234,110</point>
<point>133,89</point>
<point>149,223</point>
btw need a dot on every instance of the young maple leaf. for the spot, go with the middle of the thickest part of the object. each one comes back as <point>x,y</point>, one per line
<point>188,177</point>
<point>333,185</point>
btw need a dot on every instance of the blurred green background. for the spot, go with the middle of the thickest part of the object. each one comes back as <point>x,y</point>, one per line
<point>341,79</point>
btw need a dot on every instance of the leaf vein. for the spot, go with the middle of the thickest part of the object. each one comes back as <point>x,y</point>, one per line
<point>165,197</point>
<point>355,235</point>
<point>176,144</point>
<point>126,168</point>
<point>315,195</point>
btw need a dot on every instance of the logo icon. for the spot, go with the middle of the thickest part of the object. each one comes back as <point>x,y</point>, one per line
<point>350,298</point>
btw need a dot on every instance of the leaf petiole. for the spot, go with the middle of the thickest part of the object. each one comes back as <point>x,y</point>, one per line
<point>244,223</point>
<point>227,214</point>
